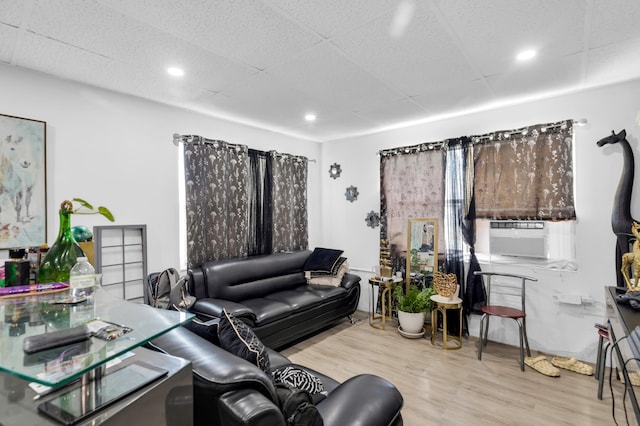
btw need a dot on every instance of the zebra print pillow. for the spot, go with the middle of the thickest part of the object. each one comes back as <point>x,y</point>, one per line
<point>299,378</point>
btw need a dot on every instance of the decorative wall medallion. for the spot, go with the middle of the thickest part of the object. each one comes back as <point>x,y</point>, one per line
<point>372,219</point>
<point>352,193</point>
<point>335,170</point>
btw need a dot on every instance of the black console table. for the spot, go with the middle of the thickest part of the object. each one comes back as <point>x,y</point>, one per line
<point>623,321</point>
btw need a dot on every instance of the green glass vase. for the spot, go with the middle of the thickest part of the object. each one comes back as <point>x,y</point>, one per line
<point>64,252</point>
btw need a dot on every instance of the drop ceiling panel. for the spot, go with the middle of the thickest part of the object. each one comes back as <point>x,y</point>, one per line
<point>538,78</point>
<point>108,33</point>
<point>493,32</point>
<point>324,73</point>
<point>393,112</point>
<point>8,36</point>
<point>247,31</point>
<point>612,23</point>
<point>11,12</point>
<point>273,101</point>
<point>338,126</point>
<point>447,100</point>
<point>60,59</point>
<point>65,61</point>
<point>613,62</point>
<point>423,58</point>
<point>331,17</point>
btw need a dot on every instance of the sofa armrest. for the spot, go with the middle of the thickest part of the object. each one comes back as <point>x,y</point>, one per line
<point>248,407</point>
<point>212,308</point>
<point>215,370</point>
<point>378,403</point>
<point>349,280</point>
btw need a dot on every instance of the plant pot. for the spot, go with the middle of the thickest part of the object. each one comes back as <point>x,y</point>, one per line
<point>411,322</point>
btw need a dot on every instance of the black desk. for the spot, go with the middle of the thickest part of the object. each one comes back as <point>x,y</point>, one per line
<point>623,320</point>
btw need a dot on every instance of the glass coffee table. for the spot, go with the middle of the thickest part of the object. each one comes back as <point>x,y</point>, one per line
<point>66,369</point>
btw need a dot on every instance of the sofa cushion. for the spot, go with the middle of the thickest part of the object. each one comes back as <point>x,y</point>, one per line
<point>268,310</point>
<point>322,260</point>
<point>327,292</point>
<point>238,338</point>
<point>298,300</point>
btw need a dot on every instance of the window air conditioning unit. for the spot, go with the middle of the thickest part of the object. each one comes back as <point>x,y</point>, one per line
<point>518,238</point>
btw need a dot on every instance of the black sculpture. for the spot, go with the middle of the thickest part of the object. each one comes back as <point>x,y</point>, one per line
<point>621,219</point>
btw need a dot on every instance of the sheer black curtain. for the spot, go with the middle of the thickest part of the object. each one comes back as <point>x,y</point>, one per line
<point>259,209</point>
<point>459,214</point>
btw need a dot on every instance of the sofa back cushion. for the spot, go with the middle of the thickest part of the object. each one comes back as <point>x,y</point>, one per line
<point>249,277</point>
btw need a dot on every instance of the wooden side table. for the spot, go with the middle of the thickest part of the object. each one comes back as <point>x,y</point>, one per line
<point>443,304</point>
<point>387,285</point>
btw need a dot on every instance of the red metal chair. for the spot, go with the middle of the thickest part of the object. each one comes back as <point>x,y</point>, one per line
<point>510,290</point>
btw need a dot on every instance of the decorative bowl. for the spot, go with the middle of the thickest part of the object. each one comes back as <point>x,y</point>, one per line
<point>445,285</point>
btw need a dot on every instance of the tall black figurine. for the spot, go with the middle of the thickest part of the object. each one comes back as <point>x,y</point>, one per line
<point>621,219</point>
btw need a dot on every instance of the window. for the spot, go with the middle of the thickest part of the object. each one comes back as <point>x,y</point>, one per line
<point>233,199</point>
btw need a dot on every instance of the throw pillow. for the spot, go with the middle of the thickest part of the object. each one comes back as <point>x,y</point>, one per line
<point>329,280</point>
<point>322,259</point>
<point>334,270</point>
<point>299,378</point>
<point>238,338</point>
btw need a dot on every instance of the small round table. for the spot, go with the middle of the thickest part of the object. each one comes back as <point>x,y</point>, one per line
<point>386,284</point>
<point>443,304</point>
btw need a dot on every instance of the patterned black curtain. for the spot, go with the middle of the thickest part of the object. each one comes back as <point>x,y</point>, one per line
<point>260,194</point>
<point>216,177</point>
<point>526,174</point>
<point>411,186</point>
<point>289,201</point>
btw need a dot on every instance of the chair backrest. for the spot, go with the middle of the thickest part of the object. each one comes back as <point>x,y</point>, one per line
<point>504,289</point>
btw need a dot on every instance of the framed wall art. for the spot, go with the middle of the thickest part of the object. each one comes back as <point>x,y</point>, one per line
<point>23,182</point>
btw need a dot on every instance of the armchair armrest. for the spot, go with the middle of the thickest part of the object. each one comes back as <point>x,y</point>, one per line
<point>215,371</point>
<point>248,407</point>
<point>212,308</point>
<point>378,401</point>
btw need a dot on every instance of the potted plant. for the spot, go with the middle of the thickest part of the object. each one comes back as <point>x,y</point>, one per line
<point>412,308</point>
<point>62,255</point>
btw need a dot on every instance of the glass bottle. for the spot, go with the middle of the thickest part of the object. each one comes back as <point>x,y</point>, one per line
<point>64,252</point>
<point>82,278</point>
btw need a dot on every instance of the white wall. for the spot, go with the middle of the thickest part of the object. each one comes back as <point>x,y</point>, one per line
<point>553,328</point>
<point>117,151</point>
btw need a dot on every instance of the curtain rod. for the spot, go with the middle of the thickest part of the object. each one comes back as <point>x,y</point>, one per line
<point>428,146</point>
<point>177,139</point>
<point>502,135</point>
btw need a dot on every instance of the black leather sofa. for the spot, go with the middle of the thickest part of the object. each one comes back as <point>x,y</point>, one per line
<point>270,293</point>
<point>230,391</point>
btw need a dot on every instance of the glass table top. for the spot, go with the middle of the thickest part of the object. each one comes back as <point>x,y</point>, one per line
<point>31,315</point>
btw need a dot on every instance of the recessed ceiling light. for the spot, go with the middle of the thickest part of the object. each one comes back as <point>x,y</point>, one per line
<point>525,55</point>
<point>310,117</point>
<point>176,72</point>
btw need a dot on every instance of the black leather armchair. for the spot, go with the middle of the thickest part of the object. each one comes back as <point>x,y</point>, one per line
<point>230,391</point>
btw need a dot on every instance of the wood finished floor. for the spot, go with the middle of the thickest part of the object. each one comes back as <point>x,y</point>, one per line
<point>453,387</point>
